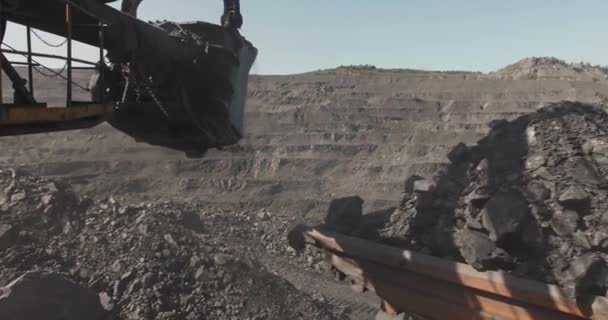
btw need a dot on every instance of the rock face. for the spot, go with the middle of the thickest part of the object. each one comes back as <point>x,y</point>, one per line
<point>530,198</point>
<point>549,67</point>
<point>49,296</point>
<point>149,261</point>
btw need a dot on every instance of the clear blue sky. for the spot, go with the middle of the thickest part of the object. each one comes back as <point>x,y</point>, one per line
<point>481,35</point>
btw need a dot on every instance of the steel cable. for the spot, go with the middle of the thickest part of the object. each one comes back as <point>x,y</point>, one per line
<point>54,73</point>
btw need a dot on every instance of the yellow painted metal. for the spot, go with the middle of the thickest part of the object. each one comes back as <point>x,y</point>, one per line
<point>12,115</point>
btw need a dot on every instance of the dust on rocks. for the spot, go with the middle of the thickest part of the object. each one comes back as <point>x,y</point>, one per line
<point>148,261</point>
<point>530,198</point>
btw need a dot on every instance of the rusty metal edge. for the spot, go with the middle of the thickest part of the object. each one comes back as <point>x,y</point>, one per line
<point>392,284</point>
<point>532,292</point>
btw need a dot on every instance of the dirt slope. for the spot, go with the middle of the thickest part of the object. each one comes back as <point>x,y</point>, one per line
<point>154,261</point>
<point>309,138</point>
<point>543,67</point>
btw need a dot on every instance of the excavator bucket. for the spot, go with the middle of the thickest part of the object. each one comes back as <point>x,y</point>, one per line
<point>177,85</point>
<point>192,106</point>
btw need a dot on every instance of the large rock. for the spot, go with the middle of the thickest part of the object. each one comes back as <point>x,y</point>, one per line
<point>584,171</point>
<point>344,214</point>
<point>535,186</point>
<point>598,150</point>
<point>538,192</point>
<point>479,251</point>
<point>504,214</point>
<point>459,153</point>
<point>600,154</point>
<point>575,198</point>
<point>3,197</point>
<point>423,186</point>
<point>535,162</point>
<point>589,274</point>
<point>7,236</point>
<point>36,296</point>
<point>532,236</point>
<point>192,221</point>
<point>565,223</point>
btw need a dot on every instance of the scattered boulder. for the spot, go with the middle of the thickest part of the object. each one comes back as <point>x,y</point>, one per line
<point>7,236</point>
<point>533,237</point>
<point>579,239</point>
<point>152,261</point>
<point>459,153</point>
<point>263,215</point>
<point>535,162</point>
<point>222,259</point>
<point>538,192</point>
<point>504,214</point>
<point>3,198</point>
<point>479,251</point>
<point>423,186</point>
<point>18,196</point>
<point>106,301</point>
<point>574,197</point>
<point>603,246</point>
<point>588,275</point>
<point>565,223</point>
<point>584,171</point>
<point>477,198</point>
<point>600,153</point>
<point>344,214</point>
<point>36,295</point>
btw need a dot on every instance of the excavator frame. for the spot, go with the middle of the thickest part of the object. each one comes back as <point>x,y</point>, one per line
<point>26,115</point>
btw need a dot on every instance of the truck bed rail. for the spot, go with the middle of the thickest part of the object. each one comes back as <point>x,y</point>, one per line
<point>438,289</point>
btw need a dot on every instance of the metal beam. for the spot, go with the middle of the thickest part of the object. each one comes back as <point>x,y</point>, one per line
<point>2,30</point>
<point>39,119</point>
<point>20,63</point>
<point>68,20</point>
<point>482,287</point>
<point>29,58</point>
<point>102,64</point>
<point>17,80</point>
<point>50,56</point>
<point>1,91</point>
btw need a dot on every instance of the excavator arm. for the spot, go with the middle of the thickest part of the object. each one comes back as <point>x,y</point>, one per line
<point>231,18</point>
<point>177,85</point>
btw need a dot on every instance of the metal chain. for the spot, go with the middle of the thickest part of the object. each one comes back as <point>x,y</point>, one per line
<point>194,37</point>
<point>156,100</point>
<point>58,74</point>
<point>48,43</point>
<point>150,91</point>
<point>55,73</point>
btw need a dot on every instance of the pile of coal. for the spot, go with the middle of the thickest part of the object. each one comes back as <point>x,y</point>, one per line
<point>71,258</point>
<point>530,198</point>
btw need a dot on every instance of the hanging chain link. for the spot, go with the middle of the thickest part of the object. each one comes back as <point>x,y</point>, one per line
<point>47,42</point>
<point>147,88</point>
<point>147,83</point>
<point>157,101</point>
